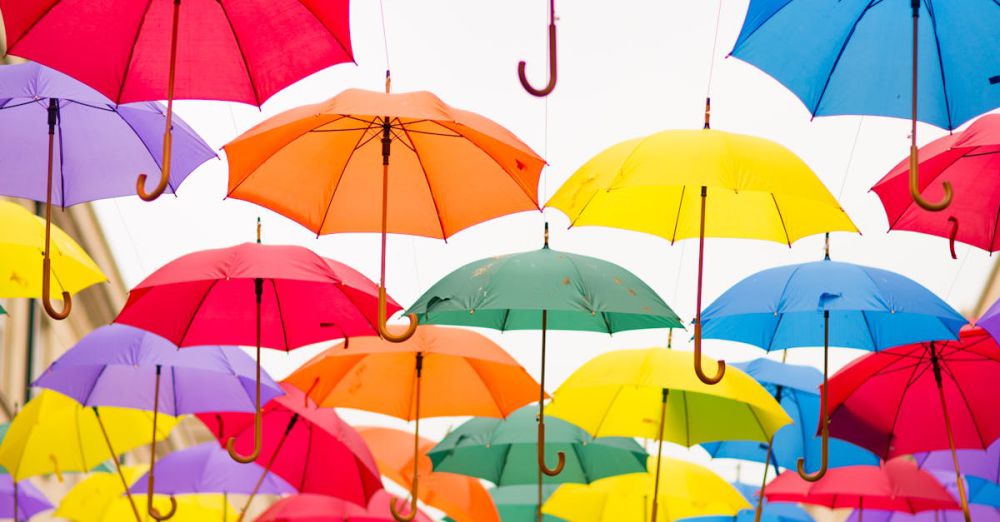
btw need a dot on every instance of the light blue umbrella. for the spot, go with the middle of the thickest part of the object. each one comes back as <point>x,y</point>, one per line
<point>773,512</point>
<point>871,57</point>
<point>828,303</point>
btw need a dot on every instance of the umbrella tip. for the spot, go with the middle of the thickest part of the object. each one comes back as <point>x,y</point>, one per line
<point>546,245</point>
<point>826,247</point>
<point>258,230</point>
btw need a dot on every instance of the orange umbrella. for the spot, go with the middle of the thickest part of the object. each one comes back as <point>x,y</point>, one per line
<point>466,374</point>
<point>326,165</point>
<point>461,497</point>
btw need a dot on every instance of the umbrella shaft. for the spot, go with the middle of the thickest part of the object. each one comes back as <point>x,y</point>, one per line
<point>659,453</point>
<point>118,468</point>
<point>962,496</point>
<point>267,469</point>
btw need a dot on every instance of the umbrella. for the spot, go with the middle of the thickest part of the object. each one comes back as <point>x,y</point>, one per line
<point>437,372</point>
<point>651,394</point>
<point>522,66</point>
<point>20,501</point>
<point>897,485</point>
<point>829,303</point>
<point>760,190</point>
<point>990,320</point>
<point>114,365</point>
<point>207,468</point>
<point>230,50</point>
<point>462,498</point>
<point>94,146</point>
<point>281,297</point>
<point>975,463</point>
<point>21,238</point>
<point>959,159</point>
<point>689,491</point>
<point>542,289</point>
<point>34,443</point>
<point>318,165</point>
<point>983,504</point>
<point>321,508</point>
<point>302,444</point>
<point>519,503</point>
<point>380,507</point>
<point>846,59</point>
<point>794,387</point>
<point>888,402</point>
<point>776,512</point>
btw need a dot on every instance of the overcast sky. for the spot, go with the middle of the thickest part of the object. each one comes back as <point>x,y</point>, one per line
<point>626,69</point>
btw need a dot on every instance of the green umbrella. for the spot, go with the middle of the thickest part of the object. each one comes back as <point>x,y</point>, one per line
<point>503,451</point>
<point>2,311</point>
<point>518,503</point>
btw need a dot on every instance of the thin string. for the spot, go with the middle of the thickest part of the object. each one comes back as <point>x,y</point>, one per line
<point>131,239</point>
<point>715,45</point>
<point>954,279</point>
<point>850,159</point>
<point>385,33</point>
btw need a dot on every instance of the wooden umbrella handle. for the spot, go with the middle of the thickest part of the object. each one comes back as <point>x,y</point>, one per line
<point>140,184</point>
<point>383,329</point>
<point>522,65</point>
<point>560,456</point>
<point>46,286</point>
<point>825,419</point>
<point>720,371</point>
<point>914,153</point>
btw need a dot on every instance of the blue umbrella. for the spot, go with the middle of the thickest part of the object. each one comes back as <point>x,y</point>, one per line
<point>795,306</point>
<point>853,57</point>
<point>776,512</point>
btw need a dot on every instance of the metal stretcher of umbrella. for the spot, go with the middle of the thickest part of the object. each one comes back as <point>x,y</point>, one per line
<point>829,303</point>
<point>274,296</point>
<point>114,366</point>
<point>848,58</point>
<point>94,147</point>
<point>230,50</point>
<point>327,167</point>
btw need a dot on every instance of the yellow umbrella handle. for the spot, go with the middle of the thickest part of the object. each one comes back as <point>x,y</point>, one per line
<point>914,154</point>
<point>825,430</point>
<point>258,435</point>
<point>140,184</point>
<point>720,371</point>
<point>522,65</point>
<point>53,118</point>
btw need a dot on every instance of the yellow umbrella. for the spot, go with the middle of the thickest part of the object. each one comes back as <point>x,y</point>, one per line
<point>650,393</point>
<point>55,434</point>
<point>689,490</point>
<point>660,184</point>
<point>22,241</point>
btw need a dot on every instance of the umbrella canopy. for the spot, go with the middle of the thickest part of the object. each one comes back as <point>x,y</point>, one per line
<point>984,504</point>
<point>520,503</point>
<point>460,497</point>
<point>321,508</point>
<point>462,373</point>
<point>688,490</point>
<point>984,464</point>
<point>990,320</point>
<point>93,496</point>
<point>301,444</point>
<point>959,159</point>
<point>777,512</point>
<point>898,485</point>
<point>503,451</point>
<point>30,501</point>
<point>207,468</point>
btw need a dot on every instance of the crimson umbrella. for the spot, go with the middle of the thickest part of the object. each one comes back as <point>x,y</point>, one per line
<point>311,448</point>
<point>966,160</point>
<point>279,296</point>
<point>897,485</point>
<point>320,508</point>
<point>232,50</point>
<point>921,397</point>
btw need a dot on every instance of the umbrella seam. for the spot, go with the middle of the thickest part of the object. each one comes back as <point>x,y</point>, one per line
<point>677,218</point>
<point>239,46</point>
<point>135,133</point>
<point>131,52</point>
<point>840,54</point>
<point>194,313</point>
<point>336,38</point>
<point>281,319</point>
<point>996,222</point>
<point>309,442</point>
<point>343,171</point>
<point>604,416</point>
<point>885,453</point>
<point>10,45</point>
<point>762,24</point>
<point>427,178</point>
<point>90,392</point>
<point>965,400</point>
<point>781,219</point>
<point>937,46</point>
<point>489,390</point>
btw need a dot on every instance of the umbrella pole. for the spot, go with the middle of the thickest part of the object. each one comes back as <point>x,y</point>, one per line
<point>763,483</point>
<point>721,370</point>
<point>936,362</point>
<point>522,65</point>
<point>258,422</point>
<point>824,420</point>
<point>541,414</point>
<point>914,153</point>
<point>140,184</point>
<point>267,469</point>
<point>15,499</point>
<point>383,330</point>
<point>153,512</point>
<point>53,112</point>
<point>659,453</point>
<point>225,506</point>
<point>118,468</point>
<point>416,453</point>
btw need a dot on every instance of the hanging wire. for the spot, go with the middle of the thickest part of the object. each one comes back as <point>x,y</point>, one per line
<point>715,46</point>
<point>385,33</point>
<point>954,279</point>
<point>131,239</point>
<point>850,159</point>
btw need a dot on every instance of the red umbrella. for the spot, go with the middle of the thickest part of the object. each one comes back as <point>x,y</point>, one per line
<point>281,297</point>
<point>921,397</point>
<point>320,508</point>
<point>897,485</point>
<point>311,448</point>
<point>232,50</point>
<point>966,160</point>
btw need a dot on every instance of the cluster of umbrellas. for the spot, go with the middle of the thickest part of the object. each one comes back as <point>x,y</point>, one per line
<point>407,163</point>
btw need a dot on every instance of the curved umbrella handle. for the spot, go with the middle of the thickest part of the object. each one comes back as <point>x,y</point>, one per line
<point>522,65</point>
<point>413,507</point>
<point>258,429</point>
<point>824,460</point>
<point>383,331</point>
<point>825,419</point>
<point>954,234</point>
<point>155,513</point>
<point>720,369</point>
<point>915,187</point>
<point>140,184</point>
<point>46,300</point>
<point>541,454</point>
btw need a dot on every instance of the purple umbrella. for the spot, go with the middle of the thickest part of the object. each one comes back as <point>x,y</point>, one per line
<point>207,468</point>
<point>49,121</point>
<point>977,463</point>
<point>979,511</point>
<point>29,501</point>
<point>124,366</point>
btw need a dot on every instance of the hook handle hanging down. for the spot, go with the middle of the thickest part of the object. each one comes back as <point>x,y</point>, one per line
<point>383,330</point>
<point>53,119</point>
<point>914,153</point>
<point>824,419</point>
<point>258,422</point>
<point>720,371</point>
<point>153,512</point>
<point>416,453</point>
<point>522,65</point>
<point>140,184</point>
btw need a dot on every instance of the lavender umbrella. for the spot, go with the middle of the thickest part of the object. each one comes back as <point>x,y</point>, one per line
<point>29,501</point>
<point>983,503</point>
<point>977,463</point>
<point>94,147</point>
<point>124,366</point>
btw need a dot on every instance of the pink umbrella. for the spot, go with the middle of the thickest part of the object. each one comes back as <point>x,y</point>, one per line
<point>320,508</point>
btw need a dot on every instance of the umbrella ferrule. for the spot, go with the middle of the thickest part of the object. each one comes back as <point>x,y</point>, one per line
<point>386,139</point>
<point>291,424</point>
<point>936,365</point>
<point>915,4</point>
<point>258,288</point>
<point>53,111</point>
<point>420,363</point>
<point>704,191</point>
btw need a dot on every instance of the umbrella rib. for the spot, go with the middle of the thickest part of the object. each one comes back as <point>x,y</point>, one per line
<point>43,14</point>
<point>131,51</point>
<point>781,219</point>
<point>173,381</point>
<point>343,171</point>
<point>489,390</point>
<point>756,418</point>
<point>937,46</point>
<point>899,408</point>
<point>16,105</point>
<point>90,392</point>
<point>144,145</point>
<point>840,54</point>
<point>687,424</point>
<point>239,46</point>
<point>965,400</point>
<point>677,218</point>
<point>996,222</point>
<point>194,313</point>
<point>107,108</point>
<point>503,323</point>
<point>309,443</point>
<point>62,163</point>
<point>604,416</point>
<point>427,178</point>
<point>336,38</point>
<point>281,317</point>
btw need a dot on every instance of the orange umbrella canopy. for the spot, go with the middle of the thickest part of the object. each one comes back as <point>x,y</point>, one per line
<point>460,497</point>
<point>321,165</point>
<point>464,373</point>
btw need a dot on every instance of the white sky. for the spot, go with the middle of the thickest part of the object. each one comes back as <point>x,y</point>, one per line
<point>626,68</point>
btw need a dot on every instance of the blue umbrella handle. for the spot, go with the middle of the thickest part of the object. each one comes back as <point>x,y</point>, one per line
<point>140,184</point>
<point>522,65</point>
<point>914,153</point>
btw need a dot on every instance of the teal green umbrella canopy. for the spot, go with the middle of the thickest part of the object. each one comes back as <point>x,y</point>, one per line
<point>519,503</point>
<point>578,292</point>
<point>503,451</point>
